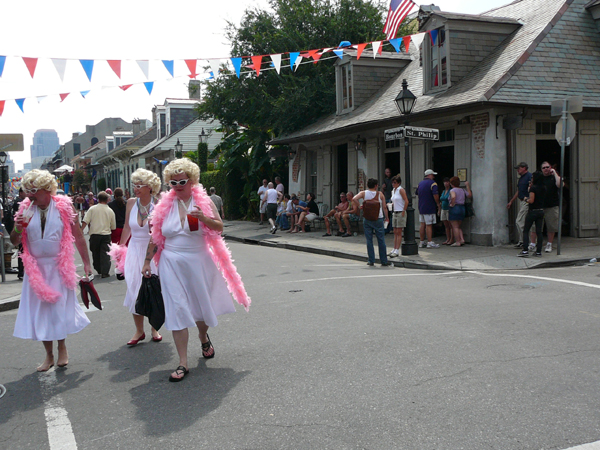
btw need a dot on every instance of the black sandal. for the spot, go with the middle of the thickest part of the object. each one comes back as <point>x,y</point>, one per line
<point>206,349</point>
<point>181,369</point>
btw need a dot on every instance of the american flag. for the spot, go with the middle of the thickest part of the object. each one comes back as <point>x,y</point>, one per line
<point>399,9</point>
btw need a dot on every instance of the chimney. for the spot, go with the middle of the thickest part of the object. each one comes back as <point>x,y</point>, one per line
<point>194,89</point>
<point>76,134</point>
<point>136,126</point>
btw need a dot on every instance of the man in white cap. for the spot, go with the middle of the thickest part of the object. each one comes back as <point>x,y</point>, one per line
<point>429,207</point>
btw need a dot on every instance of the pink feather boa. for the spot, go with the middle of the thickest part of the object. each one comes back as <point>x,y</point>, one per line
<point>219,252</point>
<point>118,253</point>
<point>65,259</point>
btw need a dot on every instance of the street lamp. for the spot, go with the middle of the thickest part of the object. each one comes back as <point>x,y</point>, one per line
<point>178,149</point>
<point>203,137</point>
<point>405,101</point>
<point>203,150</point>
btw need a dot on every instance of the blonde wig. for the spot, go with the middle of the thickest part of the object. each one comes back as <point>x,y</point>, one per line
<point>40,179</point>
<point>143,176</point>
<point>183,165</point>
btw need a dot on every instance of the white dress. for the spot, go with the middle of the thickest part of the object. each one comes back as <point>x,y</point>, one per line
<point>37,319</point>
<point>193,288</point>
<point>134,261</point>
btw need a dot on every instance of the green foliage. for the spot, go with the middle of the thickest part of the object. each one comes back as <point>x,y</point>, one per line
<point>203,156</point>
<point>81,180</point>
<point>101,184</point>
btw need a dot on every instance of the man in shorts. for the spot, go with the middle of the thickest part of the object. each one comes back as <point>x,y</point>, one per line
<point>352,214</point>
<point>551,202</point>
<point>262,206</point>
<point>429,207</point>
<point>334,214</point>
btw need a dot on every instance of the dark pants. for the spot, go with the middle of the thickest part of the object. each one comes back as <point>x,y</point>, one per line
<point>99,246</point>
<point>534,216</point>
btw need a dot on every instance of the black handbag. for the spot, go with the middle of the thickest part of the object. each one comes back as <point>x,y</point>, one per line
<point>150,303</point>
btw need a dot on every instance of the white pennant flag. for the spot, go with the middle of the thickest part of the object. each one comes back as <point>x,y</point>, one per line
<point>215,64</point>
<point>417,39</point>
<point>298,62</point>
<point>41,98</point>
<point>276,61</point>
<point>145,66</point>
<point>376,46</point>
<point>60,65</point>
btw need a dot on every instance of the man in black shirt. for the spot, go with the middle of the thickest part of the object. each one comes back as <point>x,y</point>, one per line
<point>552,182</point>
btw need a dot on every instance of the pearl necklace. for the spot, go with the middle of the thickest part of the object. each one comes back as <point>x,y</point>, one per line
<point>144,211</point>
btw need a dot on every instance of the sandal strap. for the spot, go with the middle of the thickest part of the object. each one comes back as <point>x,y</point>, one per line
<point>181,369</point>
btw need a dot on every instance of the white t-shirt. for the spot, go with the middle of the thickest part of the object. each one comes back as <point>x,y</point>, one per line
<point>397,199</point>
<point>271,196</point>
<point>289,207</point>
<point>280,188</point>
<point>261,192</point>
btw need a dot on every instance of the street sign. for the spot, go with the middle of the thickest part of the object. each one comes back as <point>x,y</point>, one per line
<point>11,143</point>
<point>394,134</point>
<point>574,105</point>
<point>422,133</point>
<point>571,127</point>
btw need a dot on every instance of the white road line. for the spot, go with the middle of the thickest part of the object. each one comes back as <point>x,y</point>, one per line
<point>558,280</point>
<point>590,446</point>
<point>387,275</point>
<point>60,432</point>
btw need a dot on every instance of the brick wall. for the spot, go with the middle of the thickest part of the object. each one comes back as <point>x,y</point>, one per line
<point>296,167</point>
<point>468,49</point>
<point>368,80</point>
<point>479,125</point>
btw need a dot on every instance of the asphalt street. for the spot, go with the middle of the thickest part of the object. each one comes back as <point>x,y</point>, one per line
<point>332,355</point>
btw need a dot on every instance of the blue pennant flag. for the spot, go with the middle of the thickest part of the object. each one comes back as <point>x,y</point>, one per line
<point>293,58</point>
<point>237,64</point>
<point>434,34</point>
<point>169,66</point>
<point>20,102</point>
<point>84,93</point>
<point>340,53</point>
<point>396,44</point>
<point>88,67</point>
<point>2,61</point>
<point>149,85</point>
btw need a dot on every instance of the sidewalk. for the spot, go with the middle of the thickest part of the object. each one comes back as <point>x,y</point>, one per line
<point>470,257</point>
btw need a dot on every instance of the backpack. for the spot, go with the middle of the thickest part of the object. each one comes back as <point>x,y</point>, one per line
<point>371,208</point>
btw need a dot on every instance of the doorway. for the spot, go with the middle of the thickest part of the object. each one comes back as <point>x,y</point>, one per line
<point>342,169</point>
<point>549,150</point>
<point>392,161</point>
<point>443,164</point>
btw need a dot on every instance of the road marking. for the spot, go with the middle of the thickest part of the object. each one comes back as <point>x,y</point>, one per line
<point>387,275</point>
<point>60,432</point>
<point>558,280</point>
<point>590,446</point>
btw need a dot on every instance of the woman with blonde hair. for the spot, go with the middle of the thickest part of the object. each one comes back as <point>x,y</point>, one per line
<point>130,259</point>
<point>189,251</point>
<point>46,225</point>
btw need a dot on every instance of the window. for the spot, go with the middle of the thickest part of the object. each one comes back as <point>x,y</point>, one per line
<point>94,140</point>
<point>393,144</point>
<point>345,92</point>
<point>438,59</point>
<point>76,149</point>
<point>446,135</point>
<point>545,128</point>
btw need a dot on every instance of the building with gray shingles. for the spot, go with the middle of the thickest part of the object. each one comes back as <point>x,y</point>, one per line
<point>487,84</point>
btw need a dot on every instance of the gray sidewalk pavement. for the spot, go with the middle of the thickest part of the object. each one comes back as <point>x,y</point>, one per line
<point>469,257</point>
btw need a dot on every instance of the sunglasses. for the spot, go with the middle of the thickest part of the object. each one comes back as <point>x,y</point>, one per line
<point>545,167</point>
<point>180,182</point>
<point>31,191</point>
<point>139,186</point>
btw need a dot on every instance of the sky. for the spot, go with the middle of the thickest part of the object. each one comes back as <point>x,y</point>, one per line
<point>114,30</point>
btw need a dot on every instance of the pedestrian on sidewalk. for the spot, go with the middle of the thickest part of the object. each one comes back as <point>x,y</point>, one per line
<point>429,207</point>
<point>102,221</point>
<point>522,192</point>
<point>334,214</point>
<point>46,225</point>
<point>456,215</point>
<point>445,212</point>
<point>551,203</point>
<point>372,198</point>
<point>400,202</point>
<point>270,198</point>
<point>352,214</point>
<point>386,188</point>
<point>282,218</point>
<point>218,201</point>
<point>119,207</point>
<point>262,207</point>
<point>535,214</point>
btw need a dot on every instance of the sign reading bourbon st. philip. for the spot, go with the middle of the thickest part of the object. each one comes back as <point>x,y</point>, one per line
<point>394,134</point>
<point>412,132</point>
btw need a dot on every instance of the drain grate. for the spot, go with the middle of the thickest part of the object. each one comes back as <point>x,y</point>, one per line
<point>510,287</point>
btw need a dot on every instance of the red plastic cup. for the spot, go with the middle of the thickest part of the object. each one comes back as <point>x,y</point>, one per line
<point>193,222</point>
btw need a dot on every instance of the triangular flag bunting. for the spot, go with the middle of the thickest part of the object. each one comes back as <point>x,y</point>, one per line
<point>2,107</point>
<point>63,96</point>
<point>293,57</point>
<point>145,66</point>
<point>191,63</point>
<point>30,63</point>
<point>237,65</point>
<point>310,53</point>
<point>359,50</point>
<point>340,53</point>
<point>41,98</point>
<point>169,65</point>
<point>316,57</point>
<point>215,65</point>
<point>396,44</point>
<point>276,61</point>
<point>298,62</point>
<point>406,40</point>
<point>88,67</point>
<point>380,48</point>
<point>125,87</point>
<point>417,39</point>
<point>60,65</point>
<point>84,93</point>
<point>20,102</point>
<point>257,62</point>
<point>433,34</point>
<point>376,46</point>
<point>2,61</point>
<point>149,85</point>
<point>115,65</point>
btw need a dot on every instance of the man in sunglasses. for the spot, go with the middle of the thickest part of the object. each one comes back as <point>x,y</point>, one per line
<point>551,202</point>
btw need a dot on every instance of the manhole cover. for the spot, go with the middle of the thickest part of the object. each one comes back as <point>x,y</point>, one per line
<point>2,391</point>
<point>510,287</point>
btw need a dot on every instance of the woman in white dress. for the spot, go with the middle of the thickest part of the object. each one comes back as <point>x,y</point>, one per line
<point>146,185</point>
<point>46,224</point>
<point>185,224</point>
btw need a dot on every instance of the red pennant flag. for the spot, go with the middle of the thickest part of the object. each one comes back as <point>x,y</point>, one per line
<point>316,57</point>
<point>63,96</point>
<point>380,49</point>
<point>2,106</point>
<point>257,62</point>
<point>127,86</point>
<point>115,65</point>
<point>191,63</point>
<point>406,40</point>
<point>30,63</point>
<point>359,50</point>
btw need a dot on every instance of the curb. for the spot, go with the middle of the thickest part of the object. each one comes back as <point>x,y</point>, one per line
<point>10,303</point>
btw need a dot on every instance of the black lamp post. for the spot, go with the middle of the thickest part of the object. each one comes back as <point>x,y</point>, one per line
<point>405,101</point>
<point>178,149</point>
<point>202,149</point>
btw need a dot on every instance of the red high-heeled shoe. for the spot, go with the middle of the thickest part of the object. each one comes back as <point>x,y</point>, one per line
<point>133,342</point>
